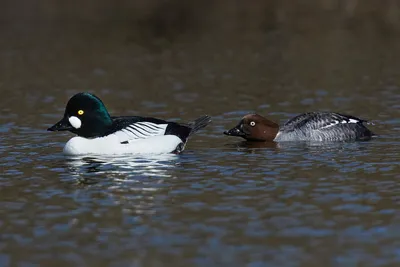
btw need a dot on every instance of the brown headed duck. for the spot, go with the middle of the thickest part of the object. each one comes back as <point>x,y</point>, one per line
<point>312,126</point>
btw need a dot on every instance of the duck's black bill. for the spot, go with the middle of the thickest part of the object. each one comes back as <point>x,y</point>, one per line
<point>236,131</point>
<point>62,125</point>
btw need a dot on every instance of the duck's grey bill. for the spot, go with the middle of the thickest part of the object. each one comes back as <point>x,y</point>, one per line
<point>234,132</point>
<point>62,125</point>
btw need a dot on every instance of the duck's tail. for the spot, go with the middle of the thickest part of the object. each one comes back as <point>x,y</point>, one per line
<point>192,127</point>
<point>199,123</point>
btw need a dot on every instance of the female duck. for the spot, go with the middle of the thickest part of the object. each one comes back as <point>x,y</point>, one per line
<point>312,126</point>
<point>99,133</point>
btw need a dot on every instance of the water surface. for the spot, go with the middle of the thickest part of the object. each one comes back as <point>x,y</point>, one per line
<point>223,202</point>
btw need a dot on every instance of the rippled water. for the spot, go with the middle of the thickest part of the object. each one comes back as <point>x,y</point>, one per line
<point>223,202</point>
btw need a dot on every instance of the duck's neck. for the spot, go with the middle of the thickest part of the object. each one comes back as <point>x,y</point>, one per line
<point>96,127</point>
<point>271,130</point>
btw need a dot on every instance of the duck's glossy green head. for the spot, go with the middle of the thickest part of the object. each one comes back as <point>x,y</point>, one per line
<point>85,115</point>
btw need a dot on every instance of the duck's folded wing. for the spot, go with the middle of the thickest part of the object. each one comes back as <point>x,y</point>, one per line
<point>320,121</point>
<point>129,130</point>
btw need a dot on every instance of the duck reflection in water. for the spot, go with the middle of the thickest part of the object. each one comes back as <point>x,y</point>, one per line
<point>123,168</point>
<point>131,183</point>
<point>312,147</point>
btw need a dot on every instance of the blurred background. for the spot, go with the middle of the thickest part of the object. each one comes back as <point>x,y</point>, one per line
<point>222,202</point>
<point>262,47</point>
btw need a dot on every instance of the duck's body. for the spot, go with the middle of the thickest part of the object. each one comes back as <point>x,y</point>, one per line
<point>99,133</point>
<point>111,144</point>
<point>323,126</point>
<point>312,126</point>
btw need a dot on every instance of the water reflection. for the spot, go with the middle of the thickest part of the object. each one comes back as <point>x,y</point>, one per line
<point>132,183</point>
<point>243,145</point>
<point>122,168</point>
<point>313,147</point>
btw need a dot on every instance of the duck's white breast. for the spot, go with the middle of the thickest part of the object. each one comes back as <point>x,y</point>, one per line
<point>111,145</point>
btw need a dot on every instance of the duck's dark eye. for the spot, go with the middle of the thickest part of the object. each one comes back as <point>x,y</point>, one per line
<point>252,123</point>
<point>80,112</point>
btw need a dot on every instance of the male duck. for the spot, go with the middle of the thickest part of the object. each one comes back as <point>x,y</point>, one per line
<point>99,133</point>
<point>312,126</point>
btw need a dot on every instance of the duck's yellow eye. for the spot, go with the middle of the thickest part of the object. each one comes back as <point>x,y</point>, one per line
<point>80,112</point>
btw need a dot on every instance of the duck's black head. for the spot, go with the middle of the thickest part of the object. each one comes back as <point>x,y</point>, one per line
<point>85,115</point>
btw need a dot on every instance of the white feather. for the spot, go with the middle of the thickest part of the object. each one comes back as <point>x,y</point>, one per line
<point>141,130</point>
<point>111,145</point>
<point>332,123</point>
<point>75,122</point>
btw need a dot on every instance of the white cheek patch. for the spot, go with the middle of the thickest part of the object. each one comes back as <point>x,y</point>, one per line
<point>75,122</point>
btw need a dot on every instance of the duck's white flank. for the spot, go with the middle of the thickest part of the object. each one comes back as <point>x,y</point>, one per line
<point>111,144</point>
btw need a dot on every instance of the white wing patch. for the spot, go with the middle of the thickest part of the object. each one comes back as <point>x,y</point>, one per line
<point>140,130</point>
<point>330,124</point>
<point>335,122</point>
